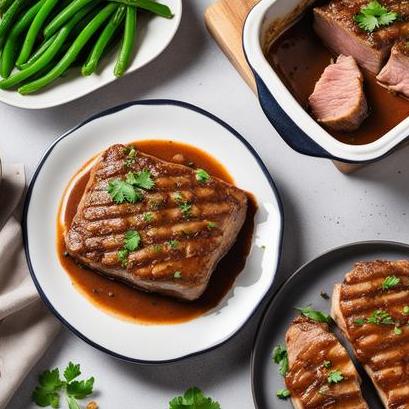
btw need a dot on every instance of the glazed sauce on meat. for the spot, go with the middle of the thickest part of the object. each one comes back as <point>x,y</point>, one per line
<point>132,304</point>
<point>299,58</point>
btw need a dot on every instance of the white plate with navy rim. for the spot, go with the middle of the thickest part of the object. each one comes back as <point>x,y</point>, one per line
<point>154,34</point>
<point>297,128</point>
<point>147,120</point>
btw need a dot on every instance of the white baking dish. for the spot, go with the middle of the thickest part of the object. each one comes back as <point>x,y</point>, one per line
<point>267,20</point>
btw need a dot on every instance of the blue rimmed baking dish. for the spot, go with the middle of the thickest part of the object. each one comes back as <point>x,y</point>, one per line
<point>266,21</point>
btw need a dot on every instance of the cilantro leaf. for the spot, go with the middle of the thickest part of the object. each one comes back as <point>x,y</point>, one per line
<point>314,315</point>
<point>380,317</point>
<point>193,399</point>
<point>80,389</point>
<point>72,371</point>
<point>202,176</point>
<point>142,179</point>
<point>283,394</point>
<point>390,282</point>
<point>280,357</point>
<point>173,244</point>
<point>121,192</point>
<point>147,217</point>
<point>373,16</point>
<point>335,376</point>
<point>132,240</point>
<point>122,256</point>
<point>186,209</point>
<point>46,394</point>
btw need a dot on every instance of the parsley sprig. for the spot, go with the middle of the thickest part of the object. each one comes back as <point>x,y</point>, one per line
<point>131,189</point>
<point>193,398</point>
<point>373,16</point>
<point>50,386</point>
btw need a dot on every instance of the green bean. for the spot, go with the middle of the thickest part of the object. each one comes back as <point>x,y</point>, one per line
<point>128,42</point>
<point>10,47</point>
<point>9,16</point>
<point>38,53</point>
<point>90,66</point>
<point>64,15</point>
<point>34,29</point>
<point>49,54</point>
<point>72,53</point>
<point>149,5</point>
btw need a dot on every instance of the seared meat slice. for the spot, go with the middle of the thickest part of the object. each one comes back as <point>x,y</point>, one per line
<point>371,306</point>
<point>334,23</point>
<point>186,225</point>
<point>395,74</point>
<point>338,100</point>
<point>313,354</point>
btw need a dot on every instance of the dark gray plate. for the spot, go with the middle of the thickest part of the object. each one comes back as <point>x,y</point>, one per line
<point>301,289</point>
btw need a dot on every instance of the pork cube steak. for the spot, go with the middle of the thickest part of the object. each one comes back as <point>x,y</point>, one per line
<point>335,25</point>
<point>185,219</point>
<point>338,101</point>
<point>395,74</point>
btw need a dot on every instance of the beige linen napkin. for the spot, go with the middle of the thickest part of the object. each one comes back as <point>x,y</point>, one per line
<point>26,327</point>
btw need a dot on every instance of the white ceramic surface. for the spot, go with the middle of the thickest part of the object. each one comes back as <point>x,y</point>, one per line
<point>154,34</point>
<point>258,22</point>
<point>156,120</point>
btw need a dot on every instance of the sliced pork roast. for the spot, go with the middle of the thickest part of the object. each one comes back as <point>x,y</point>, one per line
<point>338,101</point>
<point>155,225</point>
<point>395,74</point>
<point>335,25</point>
<point>321,374</point>
<point>371,307</point>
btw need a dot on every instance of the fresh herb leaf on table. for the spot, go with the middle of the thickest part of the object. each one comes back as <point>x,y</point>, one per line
<point>374,15</point>
<point>193,399</point>
<point>50,386</point>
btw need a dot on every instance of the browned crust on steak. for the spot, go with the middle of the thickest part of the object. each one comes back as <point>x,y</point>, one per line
<point>383,353</point>
<point>97,231</point>
<point>309,344</point>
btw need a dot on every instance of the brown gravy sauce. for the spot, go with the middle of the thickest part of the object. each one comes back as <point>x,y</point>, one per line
<point>299,58</point>
<point>131,304</point>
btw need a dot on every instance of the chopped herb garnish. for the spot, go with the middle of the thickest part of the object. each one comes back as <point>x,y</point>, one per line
<point>327,364</point>
<point>280,357</point>
<point>142,180</point>
<point>323,390</point>
<point>177,274</point>
<point>177,196</point>
<point>406,309</point>
<point>121,191</point>
<point>373,16</point>
<point>397,331</point>
<point>123,257</point>
<point>359,321</point>
<point>202,176</point>
<point>186,209</point>
<point>335,376</point>
<point>283,394</point>
<point>130,151</point>
<point>47,393</point>
<point>132,240</point>
<point>314,315</point>
<point>380,317</point>
<point>211,225</point>
<point>148,217</point>
<point>390,282</point>
<point>173,244</point>
<point>193,399</point>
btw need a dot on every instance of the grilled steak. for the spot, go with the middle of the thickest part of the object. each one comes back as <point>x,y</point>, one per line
<point>338,100</point>
<point>371,308</point>
<point>334,23</point>
<point>313,354</point>
<point>186,224</point>
<point>395,74</point>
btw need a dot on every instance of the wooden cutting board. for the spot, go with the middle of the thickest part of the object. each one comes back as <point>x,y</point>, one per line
<point>225,21</point>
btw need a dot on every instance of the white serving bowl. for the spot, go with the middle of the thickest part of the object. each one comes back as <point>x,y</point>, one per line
<point>291,121</point>
<point>154,34</point>
<point>162,120</point>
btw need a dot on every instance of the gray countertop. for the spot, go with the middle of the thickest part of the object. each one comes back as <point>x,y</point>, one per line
<point>323,209</point>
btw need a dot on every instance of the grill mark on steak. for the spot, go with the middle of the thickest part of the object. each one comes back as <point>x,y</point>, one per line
<point>98,229</point>
<point>383,353</point>
<point>309,344</point>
